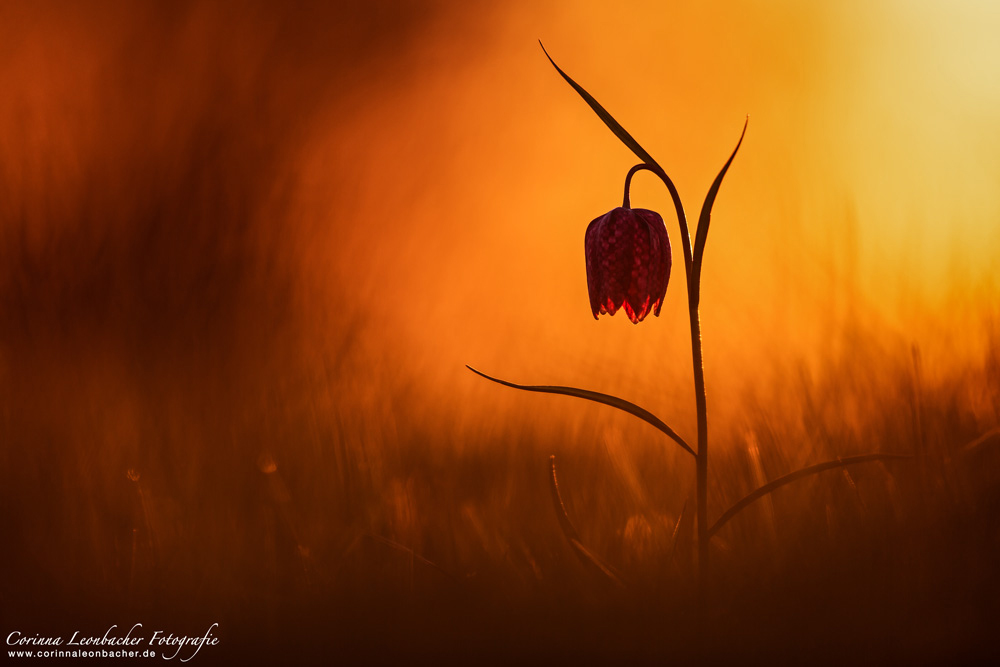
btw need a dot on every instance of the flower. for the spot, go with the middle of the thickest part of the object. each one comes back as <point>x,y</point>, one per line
<point>628,262</point>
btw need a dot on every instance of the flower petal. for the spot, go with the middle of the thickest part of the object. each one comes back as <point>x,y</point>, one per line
<point>628,262</point>
<point>660,259</point>
<point>595,277</point>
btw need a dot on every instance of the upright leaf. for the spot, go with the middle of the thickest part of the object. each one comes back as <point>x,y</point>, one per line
<point>701,234</point>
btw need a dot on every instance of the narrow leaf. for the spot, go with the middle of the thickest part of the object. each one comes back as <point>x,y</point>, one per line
<point>983,439</point>
<point>606,399</point>
<point>794,476</point>
<point>586,556</point>
<point>641,153</point>
<point>557,502</point>
<point>675,535</point>
<point>608,119</point>
<point>413,554</point>
<point>701,234</point>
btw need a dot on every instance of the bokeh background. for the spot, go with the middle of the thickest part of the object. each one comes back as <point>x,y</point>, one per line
<point>246,250</point>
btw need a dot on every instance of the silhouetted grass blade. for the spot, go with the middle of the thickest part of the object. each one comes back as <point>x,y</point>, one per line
<point>794,476</point>
<point>983,439</point>
<point>606,399</point>
<point>608,119</point>
<point>701,234</point>
<point>675,534</point>
<point>583,553</point>
<point>557,502</point>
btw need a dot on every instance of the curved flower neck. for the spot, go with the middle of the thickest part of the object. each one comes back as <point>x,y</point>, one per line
<point>628,182</point>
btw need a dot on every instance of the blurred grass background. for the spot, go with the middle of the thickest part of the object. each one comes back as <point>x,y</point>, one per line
<point>246,251</point>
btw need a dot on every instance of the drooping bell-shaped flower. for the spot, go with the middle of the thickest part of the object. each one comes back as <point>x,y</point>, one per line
<point>628,262</point>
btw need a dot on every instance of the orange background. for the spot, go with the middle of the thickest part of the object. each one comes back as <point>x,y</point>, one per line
<point>237,235</point>
<point>434,175</point>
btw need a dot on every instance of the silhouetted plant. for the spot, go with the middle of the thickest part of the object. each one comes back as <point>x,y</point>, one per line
<point>628,266</point>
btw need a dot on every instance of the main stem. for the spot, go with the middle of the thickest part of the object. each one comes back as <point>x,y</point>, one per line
<point>701,460</point>
<point>697,359</point>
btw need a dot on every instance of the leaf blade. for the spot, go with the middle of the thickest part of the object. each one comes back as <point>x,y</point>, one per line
<point>701,234</point>
<point>795,476</point>
<point>603,114</point>
<point>596,397</point>
<point>588,557</point>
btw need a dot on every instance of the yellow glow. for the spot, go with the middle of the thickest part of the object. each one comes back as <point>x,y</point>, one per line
<point>865,189</point>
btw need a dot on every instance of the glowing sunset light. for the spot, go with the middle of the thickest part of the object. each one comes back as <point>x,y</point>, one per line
<point>247,250</point>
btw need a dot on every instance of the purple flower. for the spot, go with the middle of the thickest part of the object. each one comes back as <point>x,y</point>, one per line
<point>628,262</point>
